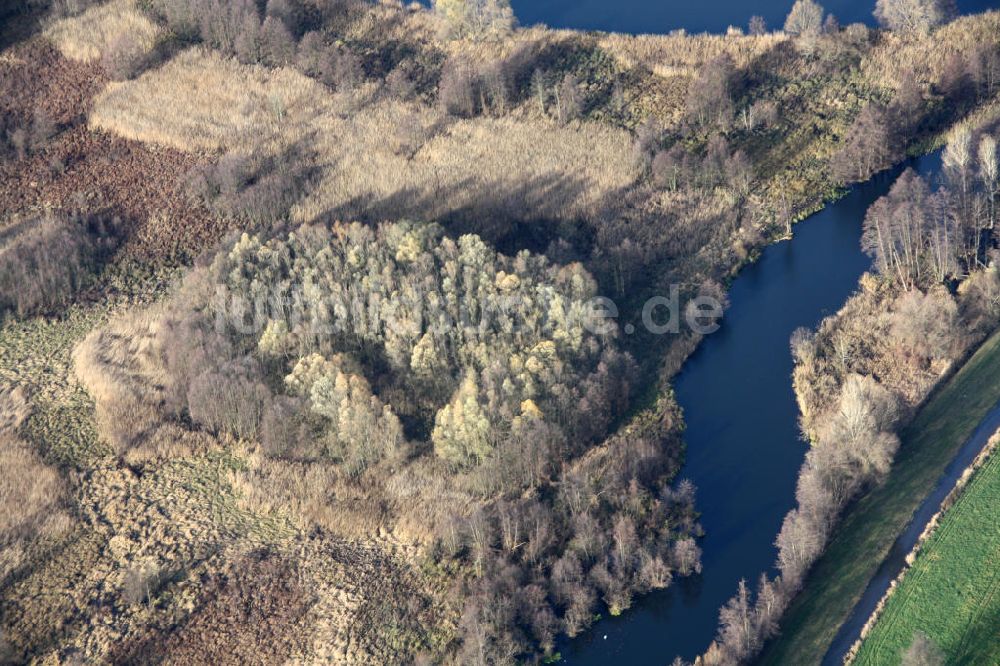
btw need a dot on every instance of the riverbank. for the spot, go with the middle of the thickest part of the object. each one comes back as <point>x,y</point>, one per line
<point>872,524</point>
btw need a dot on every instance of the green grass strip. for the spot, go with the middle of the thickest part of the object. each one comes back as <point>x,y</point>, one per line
<point>952,592</point>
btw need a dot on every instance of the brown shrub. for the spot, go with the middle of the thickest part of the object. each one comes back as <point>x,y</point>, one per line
<point>123,58</point>
<point>42,267</point>
<point>230,400</point>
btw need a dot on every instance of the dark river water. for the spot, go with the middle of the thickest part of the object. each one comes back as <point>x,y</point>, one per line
<point>743,443</point>
<point>659,16</point>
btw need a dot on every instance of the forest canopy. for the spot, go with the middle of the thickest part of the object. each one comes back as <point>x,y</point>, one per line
<point>369,326</point>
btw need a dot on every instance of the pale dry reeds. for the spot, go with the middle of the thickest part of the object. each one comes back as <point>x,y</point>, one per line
<point>680,54</point>
<point>32,494</point>
<point>925,57</point>
<point>386,159</point>
<point>120,367</point>
<point>526,168</point>
<point>90,35</point>
<point>202,101</point>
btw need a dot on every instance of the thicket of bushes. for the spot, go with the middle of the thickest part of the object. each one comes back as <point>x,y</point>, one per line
<point>21,137</point>
<point>48,260</point>
<point>284,34</point>
<point>254,187</point>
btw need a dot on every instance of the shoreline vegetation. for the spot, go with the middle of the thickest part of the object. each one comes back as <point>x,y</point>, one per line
<point>905,368</point>
<point>872,523</point>
<point>438,501</point>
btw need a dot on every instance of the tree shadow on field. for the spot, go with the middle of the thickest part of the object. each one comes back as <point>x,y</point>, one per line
<point>528,216</point>
<point>19,20</point>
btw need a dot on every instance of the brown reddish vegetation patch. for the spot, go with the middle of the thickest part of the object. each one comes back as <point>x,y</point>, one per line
<point>250,612</point>
<point>34,77</point>
<point>140,185</point>
<point>95,171</point>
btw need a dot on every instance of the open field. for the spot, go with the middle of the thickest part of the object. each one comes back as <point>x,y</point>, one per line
<point>91,35</point>
<point>871,524</point>
<point>952,590</point>
<point>201,101</point>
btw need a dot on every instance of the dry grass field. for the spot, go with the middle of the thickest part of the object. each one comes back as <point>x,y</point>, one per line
<point>95,32</point>
<point>201,101</point>
<point>680,54</point>
<point>390,158</point>
<point>897,56</point>
<point>524,169</point>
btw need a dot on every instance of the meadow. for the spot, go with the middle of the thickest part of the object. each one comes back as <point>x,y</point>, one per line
<point>950,593</point>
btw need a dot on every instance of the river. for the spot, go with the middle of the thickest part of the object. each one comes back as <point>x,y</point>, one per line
<point>661,16</point>
<point>743,445</point>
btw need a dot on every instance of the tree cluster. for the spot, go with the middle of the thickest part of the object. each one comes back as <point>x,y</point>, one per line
<point>496,355</point>
<point>678,169</point>
<point>919,238</point>
<point>612,532</point>
<point>710,95</point>
<point>344,343</point>
<point>281,35</point>
<point>918,16</point>
<point>477,19</point>
<point>880,134</point>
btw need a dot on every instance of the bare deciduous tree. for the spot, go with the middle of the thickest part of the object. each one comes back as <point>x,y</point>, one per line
<point>710,94</point>
<point>805,18</point>
<point>914,15</point>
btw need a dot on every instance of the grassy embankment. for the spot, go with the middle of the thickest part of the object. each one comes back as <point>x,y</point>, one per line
<point>873,523</point>
<point>950,592</point>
